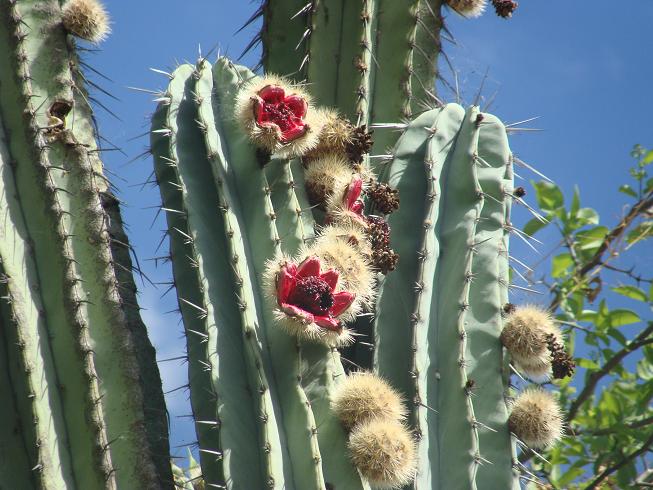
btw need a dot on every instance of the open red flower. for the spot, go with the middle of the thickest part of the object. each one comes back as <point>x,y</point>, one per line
<point>306,293</point>
<point>273,108</point>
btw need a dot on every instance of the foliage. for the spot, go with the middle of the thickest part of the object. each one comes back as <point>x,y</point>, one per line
<point>602,297</point>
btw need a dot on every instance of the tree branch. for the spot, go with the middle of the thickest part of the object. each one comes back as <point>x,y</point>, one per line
<point>643,338</point>
<point>638,208</point>
<point>627,459</point>
<point>611,430</point>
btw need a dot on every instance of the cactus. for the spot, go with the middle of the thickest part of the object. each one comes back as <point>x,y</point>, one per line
<point>82,404</point>
<point>242,234</point>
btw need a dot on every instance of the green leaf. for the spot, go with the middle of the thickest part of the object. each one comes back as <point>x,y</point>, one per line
<point>587,364</point>
<point>640,232</point>
<point>591,239</point>
<point>649,185</point>
<point>631,292</point>
<point>644,370</point>
<point>575,202</point>
<point>549,196</point>
<point>626,189</point>
<point>560,264</point>
<point>587,216</point>
<point>617,318</point>
<point>648,158</point>
<point>618,336</point>
<point>533,226</point>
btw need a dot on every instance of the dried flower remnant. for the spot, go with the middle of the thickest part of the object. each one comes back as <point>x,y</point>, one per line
<point>505,8</point>
<point>562,364</point>
<point>383,258</point>
<point>384,197</point>
<point>341,138</point>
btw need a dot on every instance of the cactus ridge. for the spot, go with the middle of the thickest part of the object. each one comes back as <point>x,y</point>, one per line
<point>75,313</point>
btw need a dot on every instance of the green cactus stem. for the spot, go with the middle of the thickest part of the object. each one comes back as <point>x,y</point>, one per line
<point>94,417</point>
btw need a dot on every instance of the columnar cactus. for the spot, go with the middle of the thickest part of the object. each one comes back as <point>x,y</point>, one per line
<point>81,398</point>
<point>265,308</point>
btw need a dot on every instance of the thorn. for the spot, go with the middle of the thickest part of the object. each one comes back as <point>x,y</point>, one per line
<point>523,164</point>
<point>401,126</point>
<point>169,75</point>
<point>522,122</point>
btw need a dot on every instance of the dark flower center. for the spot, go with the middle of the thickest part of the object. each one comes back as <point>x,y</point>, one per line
<point>281,115</point>
<point>312,294</point>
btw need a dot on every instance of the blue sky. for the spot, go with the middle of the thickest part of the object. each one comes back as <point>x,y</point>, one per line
<point>584,67</point>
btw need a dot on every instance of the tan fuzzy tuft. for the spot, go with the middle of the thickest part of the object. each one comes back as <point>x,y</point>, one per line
<point>384,452</point>
<point>324,176</point>
<point>525,336</point>
<point>269,138</point>
<point>536,418</point>
<point>364,396</point>
<point>345,249</point>
<point>295,326</point>
<point>86,19</point>
<point>468,8</point>
<point>336,136</point>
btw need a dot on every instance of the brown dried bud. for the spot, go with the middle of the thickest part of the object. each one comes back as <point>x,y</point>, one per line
<point>384,197</point>
<point>505,8</point>
<point>359,144</point>
<point>383,258</point>
<point>562,363</point>
<point>519,192</point>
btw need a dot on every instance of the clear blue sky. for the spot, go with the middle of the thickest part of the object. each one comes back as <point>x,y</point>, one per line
<point>584,67</point>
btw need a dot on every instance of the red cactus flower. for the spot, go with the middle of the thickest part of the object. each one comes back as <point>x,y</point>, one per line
<point>308,294</point>
<point>352,199</point>
<point>273,108</point>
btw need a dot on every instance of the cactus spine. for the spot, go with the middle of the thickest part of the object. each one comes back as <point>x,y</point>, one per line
<point>84,399</point>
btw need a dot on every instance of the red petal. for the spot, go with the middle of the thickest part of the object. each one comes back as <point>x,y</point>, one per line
<point>259,110</point>
<point>353,192</point>
<point>285,283</point>
<point>357,207</point>
<point>295,311</point>
<point>329,323</point>
<point>272,94</point>
<point>297,105</point>
<point>331,278</point>
<point>341,301</point>
<point>309,267</point>
<point>294,133</point>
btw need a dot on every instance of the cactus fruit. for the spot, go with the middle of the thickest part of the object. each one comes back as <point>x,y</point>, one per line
<point>86,19</point>
<point>536,419</point>
<point>383,450</point>
<point>326,176</point>
<point>526,335</point>
<point>364,396</point>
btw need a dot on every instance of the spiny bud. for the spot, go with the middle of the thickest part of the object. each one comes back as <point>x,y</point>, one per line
<point>340,137</point>
<point>536,418</point>
<point>525,336</point>
<point>345,249</point>
<point>86,19</point>
<point>325,176</point>
<point>364,396</point>
<point>468,8</point>
<point>384,452</point>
